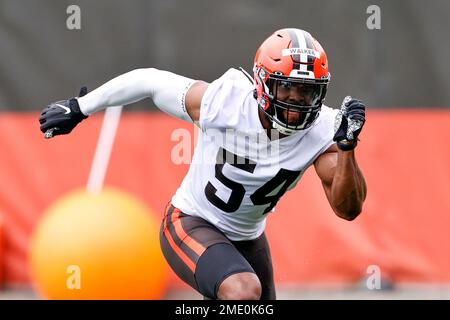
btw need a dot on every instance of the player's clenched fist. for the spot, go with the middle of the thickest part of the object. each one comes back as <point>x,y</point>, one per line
<point>62,116</point>
<point>349,122</point>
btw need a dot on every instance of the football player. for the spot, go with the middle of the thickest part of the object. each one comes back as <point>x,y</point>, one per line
<point>212,234</point>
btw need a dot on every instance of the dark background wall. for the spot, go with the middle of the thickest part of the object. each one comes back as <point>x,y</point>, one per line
<point>405,64</point>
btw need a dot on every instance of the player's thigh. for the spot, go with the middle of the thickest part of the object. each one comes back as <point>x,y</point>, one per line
<point>199,253</point>
<point>257,253</point>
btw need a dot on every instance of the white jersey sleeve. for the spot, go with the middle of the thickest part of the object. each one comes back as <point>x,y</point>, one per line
<point>168,91</point>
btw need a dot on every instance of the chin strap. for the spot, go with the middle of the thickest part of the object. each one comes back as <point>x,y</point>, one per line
<point>282,129</point>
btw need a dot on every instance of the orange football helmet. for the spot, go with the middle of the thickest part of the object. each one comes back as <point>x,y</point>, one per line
<point>291,59</point>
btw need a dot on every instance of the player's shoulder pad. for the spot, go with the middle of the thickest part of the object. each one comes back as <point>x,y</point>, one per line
<point>327,114</point>
<point>325,122</point>
<point>328,110</point>
<point>236,76</point>
<point>224,102</point>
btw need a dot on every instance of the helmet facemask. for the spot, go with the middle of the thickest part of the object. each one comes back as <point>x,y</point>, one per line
<point>292,104</point>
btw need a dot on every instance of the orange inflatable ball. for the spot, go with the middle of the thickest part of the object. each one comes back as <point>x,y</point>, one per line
<point>98,246</point>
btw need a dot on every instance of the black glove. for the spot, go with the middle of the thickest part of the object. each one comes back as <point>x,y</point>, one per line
<point>348,123</point>
<point>62,116</point>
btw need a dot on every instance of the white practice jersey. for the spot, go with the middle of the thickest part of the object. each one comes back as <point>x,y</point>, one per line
<point>237,173</point>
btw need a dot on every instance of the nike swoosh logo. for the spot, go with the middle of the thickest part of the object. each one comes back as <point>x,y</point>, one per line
<point>64,107</point>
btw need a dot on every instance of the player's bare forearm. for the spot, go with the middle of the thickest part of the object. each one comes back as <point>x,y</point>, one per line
<point>348,188</point>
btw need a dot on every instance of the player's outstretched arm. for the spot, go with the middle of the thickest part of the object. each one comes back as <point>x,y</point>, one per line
<point>172,93</point>
<point>341,177</point>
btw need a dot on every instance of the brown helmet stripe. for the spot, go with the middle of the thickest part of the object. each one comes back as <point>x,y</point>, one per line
<point>295,44</point>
